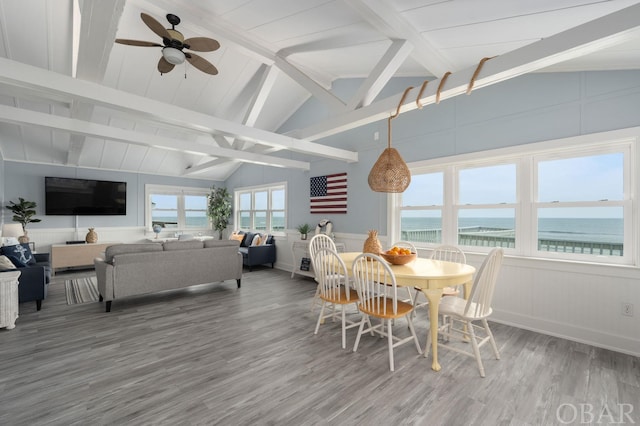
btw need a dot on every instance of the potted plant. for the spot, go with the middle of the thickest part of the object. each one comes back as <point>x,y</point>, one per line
<point>23,213</point>
<point>219,209</point>
<point>304,230</point>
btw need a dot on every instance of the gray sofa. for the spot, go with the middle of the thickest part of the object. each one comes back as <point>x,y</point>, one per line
<point>134,269</point>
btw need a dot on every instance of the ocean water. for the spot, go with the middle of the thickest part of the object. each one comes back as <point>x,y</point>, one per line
<point>566,229</point>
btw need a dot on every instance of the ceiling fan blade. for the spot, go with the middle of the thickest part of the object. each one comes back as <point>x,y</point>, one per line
<point>137,42</point>
<point>201,44</point>
<point>201,63</point>
<point>164,66</point>
<point>155,26</point>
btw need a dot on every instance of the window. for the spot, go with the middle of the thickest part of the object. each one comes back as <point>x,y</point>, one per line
<point>421,210</point>
<point>580,205</point>
<point>176,208</point>
<point>486,209</point>
<point>261,208</point>
<point>570,203</point>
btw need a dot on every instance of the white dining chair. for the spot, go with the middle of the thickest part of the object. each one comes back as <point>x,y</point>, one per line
<point>371,274</point>
<point>334,289</point>
<point>318,242</point>
<point>466,313</point>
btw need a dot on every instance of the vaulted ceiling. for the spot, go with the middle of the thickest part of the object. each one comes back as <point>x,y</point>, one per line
<point>70,95</point>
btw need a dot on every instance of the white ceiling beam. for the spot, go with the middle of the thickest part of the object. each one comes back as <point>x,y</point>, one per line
<point>15,73</point>
<point>98,27</point>
<point>325,96</point>
<point>24,117</point>
<point>587,38</point>
<point>381,74</point>
<point>387,20</point>
<point>266,79</point>
<point>193,170</point>
<point>258,99</point>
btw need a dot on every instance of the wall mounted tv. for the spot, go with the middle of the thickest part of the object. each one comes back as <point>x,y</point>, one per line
<point>69,196</point>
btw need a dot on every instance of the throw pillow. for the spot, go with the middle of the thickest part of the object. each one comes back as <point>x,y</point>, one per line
<point>6,264</point>
<point>17,262</point>
<point>22,252</point>
<point>247,240</point>
<point>256,240</point>
<point>237,237</point>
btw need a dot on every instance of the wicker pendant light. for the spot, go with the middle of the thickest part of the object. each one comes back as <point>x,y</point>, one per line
<point>390,173</point>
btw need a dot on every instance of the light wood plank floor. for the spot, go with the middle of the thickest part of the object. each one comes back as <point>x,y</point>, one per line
<point>216,354</point>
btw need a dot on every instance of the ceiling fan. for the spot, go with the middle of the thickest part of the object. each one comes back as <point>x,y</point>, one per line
<point>174,44</point>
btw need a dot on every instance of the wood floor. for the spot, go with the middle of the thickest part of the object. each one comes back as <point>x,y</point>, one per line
<point>216,354</point>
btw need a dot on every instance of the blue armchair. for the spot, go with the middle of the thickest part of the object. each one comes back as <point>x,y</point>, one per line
<point>34,278</point>
<point>257,255</point>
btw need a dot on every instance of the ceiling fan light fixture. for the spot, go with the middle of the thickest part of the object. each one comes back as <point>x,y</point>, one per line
<point>173,56</point>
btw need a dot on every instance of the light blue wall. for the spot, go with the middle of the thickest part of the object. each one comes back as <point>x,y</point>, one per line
<point>27,181</point>
<point>523,110</point>
<point>527,109</point>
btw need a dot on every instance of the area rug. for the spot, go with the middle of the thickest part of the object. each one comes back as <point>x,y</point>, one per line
<point>81,290</point>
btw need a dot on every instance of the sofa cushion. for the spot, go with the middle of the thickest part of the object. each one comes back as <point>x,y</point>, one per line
<point>21,252</point>
<point>129,248</point>
<point>182,245</point>
<point>6,264</point>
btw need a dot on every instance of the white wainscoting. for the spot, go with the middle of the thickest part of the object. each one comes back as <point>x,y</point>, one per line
<point>576,301</point>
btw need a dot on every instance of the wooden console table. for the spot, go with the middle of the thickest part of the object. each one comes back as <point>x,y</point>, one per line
<point>75,255</point>
<point>9,299</point>
<point>300,250</point>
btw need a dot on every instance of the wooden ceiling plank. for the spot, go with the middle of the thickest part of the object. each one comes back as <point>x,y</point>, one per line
<point>590,37</point>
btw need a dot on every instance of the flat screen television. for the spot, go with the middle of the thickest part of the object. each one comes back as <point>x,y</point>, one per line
<point>70,196</point>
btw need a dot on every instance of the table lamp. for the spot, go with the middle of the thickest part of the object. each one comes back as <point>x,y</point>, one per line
<point>10,230</point>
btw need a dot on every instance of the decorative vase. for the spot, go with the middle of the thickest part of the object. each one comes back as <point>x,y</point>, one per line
<point>92,236</point>
<point>24,238</point>
<point>372,244</point>
<point>157,229</point>
<point>303,236</point>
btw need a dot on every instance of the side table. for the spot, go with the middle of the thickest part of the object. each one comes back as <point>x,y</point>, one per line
<point>9,299</point>
<point>300,250</point>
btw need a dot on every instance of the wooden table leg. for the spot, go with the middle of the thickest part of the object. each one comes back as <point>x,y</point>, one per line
<point>434,300</point>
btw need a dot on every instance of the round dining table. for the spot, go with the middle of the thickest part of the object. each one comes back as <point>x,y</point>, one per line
<point>431,277</point>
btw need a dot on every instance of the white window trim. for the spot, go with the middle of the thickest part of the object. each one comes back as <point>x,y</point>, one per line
<point>257,188</point>
<point>172,190</point>
<point>524,156</point>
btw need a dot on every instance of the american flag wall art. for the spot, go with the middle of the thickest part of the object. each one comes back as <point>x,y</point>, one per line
<point>329,194</point>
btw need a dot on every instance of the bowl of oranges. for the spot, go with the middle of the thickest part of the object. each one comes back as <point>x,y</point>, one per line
<point>398,255</point>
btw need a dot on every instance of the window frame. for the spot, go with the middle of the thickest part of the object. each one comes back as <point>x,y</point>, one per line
<point>526,158</point>
<point>180,192</point>
<point>252,190</point>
